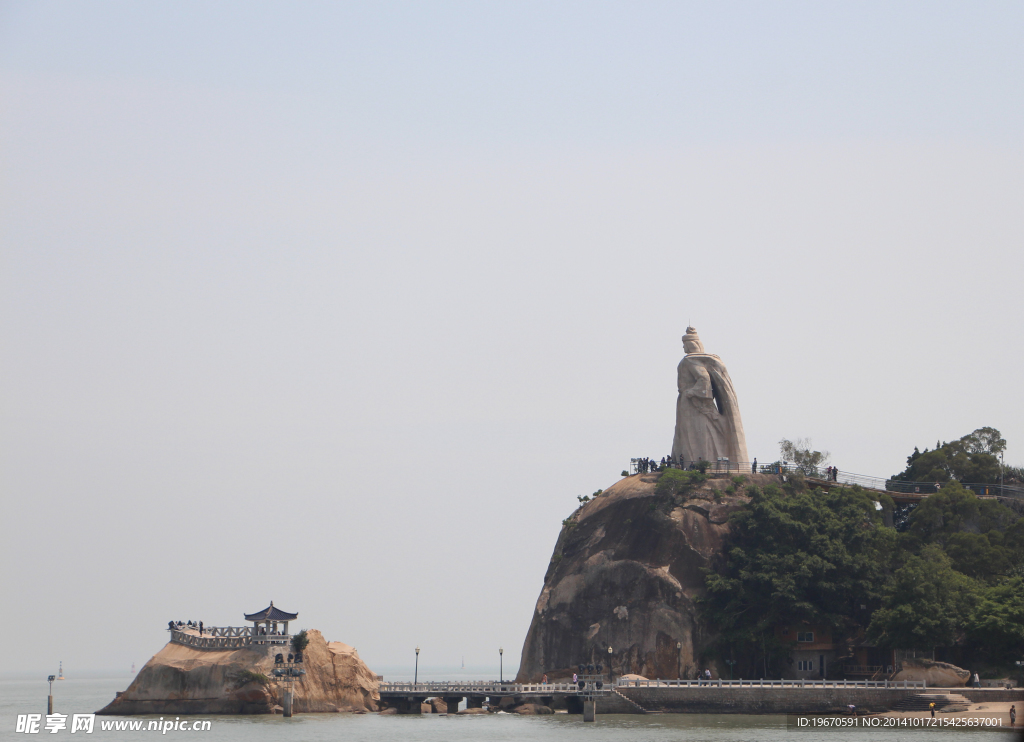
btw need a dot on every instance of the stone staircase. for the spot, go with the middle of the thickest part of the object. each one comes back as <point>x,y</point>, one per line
<point>635,708</point>
<point>922,702</point>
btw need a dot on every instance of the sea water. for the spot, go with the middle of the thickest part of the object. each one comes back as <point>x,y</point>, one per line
<point>84,696</point>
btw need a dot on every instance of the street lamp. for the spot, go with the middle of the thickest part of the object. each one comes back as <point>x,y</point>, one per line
<point>730,663</point>
<point>501,665</point>
<point>416,674</point>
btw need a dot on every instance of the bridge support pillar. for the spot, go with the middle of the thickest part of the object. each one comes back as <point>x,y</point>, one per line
<point>474,702</point>
<point>287,700</point>
<point>452,702</point>
<point>589,710</point>
<point>410,705</point>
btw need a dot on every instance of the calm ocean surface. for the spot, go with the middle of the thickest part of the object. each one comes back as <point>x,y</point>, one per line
<point>86,696</point>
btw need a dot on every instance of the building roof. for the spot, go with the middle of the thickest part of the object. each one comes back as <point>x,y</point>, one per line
<point>270,613</point>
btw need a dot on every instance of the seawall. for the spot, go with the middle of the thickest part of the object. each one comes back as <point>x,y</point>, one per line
<point>756,699</point>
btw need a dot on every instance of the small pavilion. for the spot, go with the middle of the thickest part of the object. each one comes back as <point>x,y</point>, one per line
<point>270,617</point>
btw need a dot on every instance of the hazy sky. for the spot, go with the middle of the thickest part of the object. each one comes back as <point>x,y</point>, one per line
<point>342,305</point>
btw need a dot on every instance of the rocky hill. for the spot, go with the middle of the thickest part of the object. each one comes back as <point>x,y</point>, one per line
<point>624,574</point>
<point>185,680</point>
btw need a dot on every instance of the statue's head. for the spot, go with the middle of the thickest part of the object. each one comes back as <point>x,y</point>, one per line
<point>691,342</point>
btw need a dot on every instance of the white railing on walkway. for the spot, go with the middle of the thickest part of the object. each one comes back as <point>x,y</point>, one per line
<point>441,688</point>
<point>763,683</point>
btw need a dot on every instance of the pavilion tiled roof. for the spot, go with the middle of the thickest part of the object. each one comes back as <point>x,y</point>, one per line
<point>270,613</point>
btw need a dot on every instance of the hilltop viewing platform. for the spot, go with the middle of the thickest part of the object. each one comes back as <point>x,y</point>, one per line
<point>270,627</point>
<point>903,492</point>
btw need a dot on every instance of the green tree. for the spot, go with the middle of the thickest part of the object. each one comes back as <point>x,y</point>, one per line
<point>300,641</point>
<point>799,454</point>
<point>926,604</point>
<point>998,623</point>
<point>802,556</point>
<point>973,458</point>
<point>981,536</point>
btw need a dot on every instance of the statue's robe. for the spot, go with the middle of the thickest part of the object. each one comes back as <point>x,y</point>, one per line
<point>708,424</point>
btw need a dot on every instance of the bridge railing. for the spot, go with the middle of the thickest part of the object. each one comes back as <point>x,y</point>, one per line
<point>441,688</point>
<point>767,683</point>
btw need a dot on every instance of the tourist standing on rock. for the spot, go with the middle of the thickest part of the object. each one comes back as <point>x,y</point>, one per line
<point>200,628</point>
<point>753,467</point>
<point>544,679</point>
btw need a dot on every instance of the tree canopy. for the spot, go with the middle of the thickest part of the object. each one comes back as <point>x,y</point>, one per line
<point>953,578</point>
<point>926,604</point>
<point>973,458</point>
<point>801,555</point>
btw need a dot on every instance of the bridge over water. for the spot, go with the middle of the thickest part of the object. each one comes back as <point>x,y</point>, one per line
<point>634,696</point>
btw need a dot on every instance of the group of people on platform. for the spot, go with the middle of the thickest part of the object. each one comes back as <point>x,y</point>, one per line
<point>645,465</point>
<point>178,625</point>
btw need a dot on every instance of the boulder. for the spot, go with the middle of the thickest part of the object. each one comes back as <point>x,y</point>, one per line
<point>936,674</point>
<point>389,712</point>
<point>426,708</point>
<point>187,680</point>
<point>472,712</point>
<point>626,570</point>
<point>438,706</point>
<point>531,709</point>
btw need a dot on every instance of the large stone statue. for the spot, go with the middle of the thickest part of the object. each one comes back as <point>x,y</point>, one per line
<point>708,424</point>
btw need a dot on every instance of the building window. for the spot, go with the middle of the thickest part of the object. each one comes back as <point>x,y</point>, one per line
<point>805,636</point>
<point>805,665</point>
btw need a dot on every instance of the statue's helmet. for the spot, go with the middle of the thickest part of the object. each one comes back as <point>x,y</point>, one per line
<point>692,339</point>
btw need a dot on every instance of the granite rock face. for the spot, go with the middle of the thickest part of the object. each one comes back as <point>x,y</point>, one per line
<point>624,574</point>
<point>185,680</point>
<point>937,674</point>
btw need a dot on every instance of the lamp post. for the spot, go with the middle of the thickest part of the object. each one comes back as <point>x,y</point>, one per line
<point>501,665</point>
<point>679,660</point>
<point>416,673</point>
<point>730,663</point>
<point>49,698</point>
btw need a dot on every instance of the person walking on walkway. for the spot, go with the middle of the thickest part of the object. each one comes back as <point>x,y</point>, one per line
<point>931,707</point>
<point>1013,715</point>
<point>977,681</point>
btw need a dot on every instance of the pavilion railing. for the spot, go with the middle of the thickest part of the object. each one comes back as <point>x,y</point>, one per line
<point>190,639</point>
<point>224,637</point>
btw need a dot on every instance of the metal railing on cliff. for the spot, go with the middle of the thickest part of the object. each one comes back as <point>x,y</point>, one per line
<point>724,467</point>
